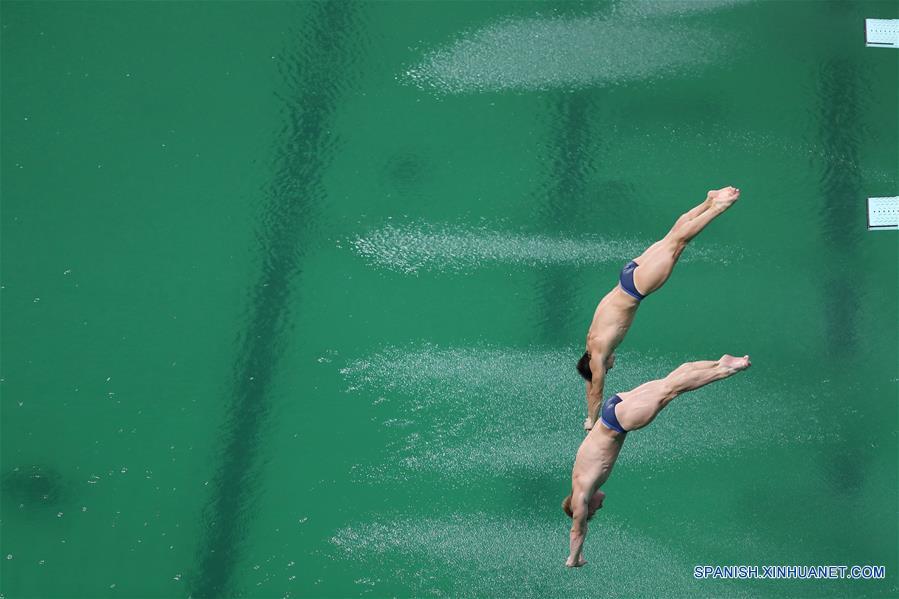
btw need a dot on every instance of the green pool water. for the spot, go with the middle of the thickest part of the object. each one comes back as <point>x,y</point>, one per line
<point>292,295</point>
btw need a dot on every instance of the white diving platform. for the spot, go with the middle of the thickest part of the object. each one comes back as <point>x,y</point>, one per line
<point>882,33</point>
<point>883,213</point>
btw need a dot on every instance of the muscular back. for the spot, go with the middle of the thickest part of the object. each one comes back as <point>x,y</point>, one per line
<point>595,460</point>
<point>611,320</point>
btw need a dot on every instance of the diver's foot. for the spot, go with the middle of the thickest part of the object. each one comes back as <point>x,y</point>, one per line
<point>734,364</point>
<point>723,198</point>
<point>570,563</point>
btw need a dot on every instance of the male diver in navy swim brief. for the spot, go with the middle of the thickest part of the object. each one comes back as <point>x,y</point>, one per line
<point>622,413</point>
<point>639,278</point>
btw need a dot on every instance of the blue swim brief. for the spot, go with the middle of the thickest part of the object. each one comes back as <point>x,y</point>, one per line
<point>626,279</point>
<point>608,417</point>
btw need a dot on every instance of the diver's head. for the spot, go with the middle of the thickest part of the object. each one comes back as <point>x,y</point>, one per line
<point>594,504</point>
<point>583,365</point>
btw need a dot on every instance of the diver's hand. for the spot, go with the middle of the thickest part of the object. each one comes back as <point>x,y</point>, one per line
<point>588,424</point>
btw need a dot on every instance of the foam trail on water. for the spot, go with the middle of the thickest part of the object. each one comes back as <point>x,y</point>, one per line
<point>670,8</point>
<point>420,247</point>
<point>541,53</point>
<point>490,409</point>
<point>500,557</point>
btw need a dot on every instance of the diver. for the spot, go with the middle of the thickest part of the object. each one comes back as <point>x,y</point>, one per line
<point>622,413</point>
<point>639,278</point>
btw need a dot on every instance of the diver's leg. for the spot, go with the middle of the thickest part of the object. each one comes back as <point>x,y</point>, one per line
<point>640,406</point>
<point>657,262</point>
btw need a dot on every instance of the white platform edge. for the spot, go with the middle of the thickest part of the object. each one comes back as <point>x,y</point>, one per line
<point>882,33</point>
<point>883,214</point>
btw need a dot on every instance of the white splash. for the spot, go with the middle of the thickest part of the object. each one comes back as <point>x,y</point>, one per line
<point>670,8</point>
<point>497,557</point>
<point>496,409</point>
<point>416,247</point>
<point>542,53</point>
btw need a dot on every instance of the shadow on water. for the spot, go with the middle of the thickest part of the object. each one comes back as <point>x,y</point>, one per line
<point>571,152</point>
<point>842,193</point>
<point>35,488</point>
<point>405,171</point>
<point>315,76</point>
<point>841,188</point>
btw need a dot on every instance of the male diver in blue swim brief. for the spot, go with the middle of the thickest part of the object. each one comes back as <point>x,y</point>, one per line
<point>639,278</point>
<point>620,414</point>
